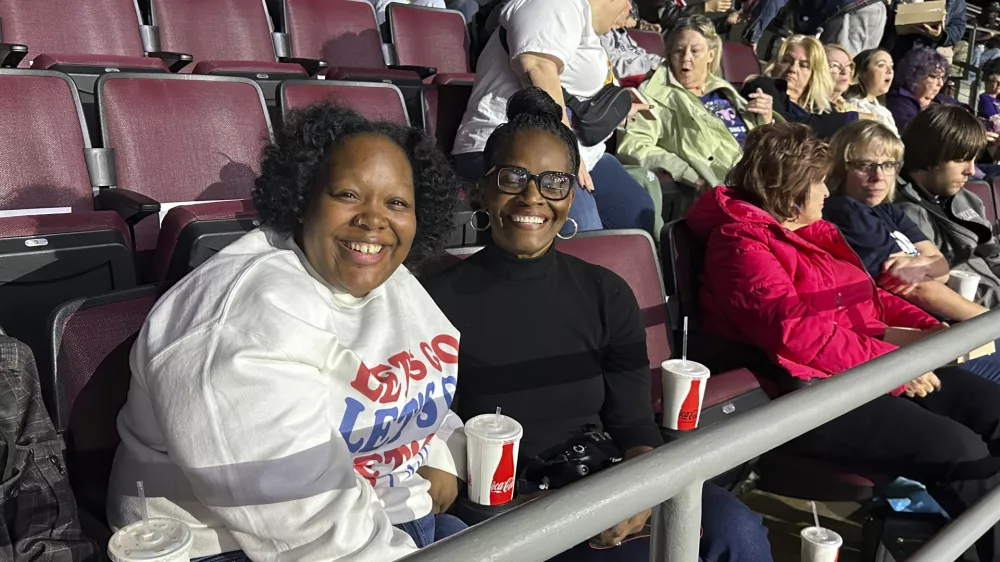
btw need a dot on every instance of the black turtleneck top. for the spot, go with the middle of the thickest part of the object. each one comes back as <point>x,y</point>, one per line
<point>556,342</point>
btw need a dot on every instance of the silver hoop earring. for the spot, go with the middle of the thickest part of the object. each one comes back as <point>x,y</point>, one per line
<point>576,228</point>
<point>472,220</point>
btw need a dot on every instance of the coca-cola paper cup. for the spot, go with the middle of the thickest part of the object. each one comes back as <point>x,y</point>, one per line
<point>683,392</point>
<point>820,545</point>
<point>492,443</point>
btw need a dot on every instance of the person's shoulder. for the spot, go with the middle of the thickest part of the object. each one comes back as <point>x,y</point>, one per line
<point>836,205</point>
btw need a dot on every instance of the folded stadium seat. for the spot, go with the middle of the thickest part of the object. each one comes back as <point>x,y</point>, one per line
<point>985,191</point>
<point>373,100</point>
<point>783,470</point>
<point>190,234</point>
<point>232,38</point>
<point>53,245</point>
<point>90,339</point>
<point>180,139</point>
<point>649,40</point>
<point>739,62</point>
<point>442,108</point>
<point>430,37</point>
<point>345,34</point>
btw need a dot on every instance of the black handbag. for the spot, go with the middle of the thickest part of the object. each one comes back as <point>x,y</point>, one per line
<point>596,118</point>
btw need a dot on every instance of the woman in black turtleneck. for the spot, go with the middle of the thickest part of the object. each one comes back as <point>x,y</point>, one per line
<point>557,342</point>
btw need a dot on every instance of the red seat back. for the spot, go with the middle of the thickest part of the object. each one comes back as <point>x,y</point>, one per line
<point>632,255</point>
<point>373,100</point>
<point>91,341</point>
<point>107,27</point>
<point>443,108</point>
<point>429,37</point>
<point>215,29</point>
<point>42,139</point>
<point>183,138</point>
<point>341,32</point>
<point>985,191</point>
<point>738,62</point>
<point>651,41</point>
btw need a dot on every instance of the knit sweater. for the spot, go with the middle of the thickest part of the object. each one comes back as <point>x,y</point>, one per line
<point>555,342</point>
<point>279,415</point>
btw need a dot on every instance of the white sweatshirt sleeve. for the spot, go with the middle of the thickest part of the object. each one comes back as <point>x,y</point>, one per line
<point>280,477</point>
<point>447,448</point>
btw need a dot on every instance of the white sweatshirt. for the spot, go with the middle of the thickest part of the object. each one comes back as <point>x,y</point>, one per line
<point>283,417</point>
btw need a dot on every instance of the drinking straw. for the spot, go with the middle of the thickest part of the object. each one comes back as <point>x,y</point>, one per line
<point>684,347</point>
<point>815,514</point>
<point>496,418</point>
<point>142,502</point>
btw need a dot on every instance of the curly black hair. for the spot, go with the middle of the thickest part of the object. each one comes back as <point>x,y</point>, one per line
<point>532,109</point>
<point>295,165</point>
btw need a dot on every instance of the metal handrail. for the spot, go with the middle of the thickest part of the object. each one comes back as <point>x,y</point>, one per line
<point>672,475</point>
<point>960,534</point>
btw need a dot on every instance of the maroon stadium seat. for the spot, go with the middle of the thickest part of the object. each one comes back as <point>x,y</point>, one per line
<point>430,37</point>
<point>90,341</point>
<point>50,258</point>
<point>70,33</point>
<point>182,138</point>
<point>985,192</point>
<point>229,38</point>
<point>190,234</point>
<point>345,34</point>
<point>649,40</point>
<point>782,471</point>
<point>443,107</point>
<point>739,61</point>
<point>373,100</point>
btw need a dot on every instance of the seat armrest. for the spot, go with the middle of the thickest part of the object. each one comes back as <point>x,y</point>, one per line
<point>174,61</point>
<point>132,206</point>
<point>312,66</point>
<point>11,54</point>
<point>423,71</point>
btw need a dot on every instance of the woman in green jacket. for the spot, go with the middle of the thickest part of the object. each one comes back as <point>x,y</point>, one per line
<point>698,121</point>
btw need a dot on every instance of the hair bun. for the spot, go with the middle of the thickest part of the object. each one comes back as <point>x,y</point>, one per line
<point>533,101</point>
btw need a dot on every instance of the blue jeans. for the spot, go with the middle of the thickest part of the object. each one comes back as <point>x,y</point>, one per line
<point>761,16</point>
<point>432,528</point>
<point>987,366</point>
<point>732,533</point>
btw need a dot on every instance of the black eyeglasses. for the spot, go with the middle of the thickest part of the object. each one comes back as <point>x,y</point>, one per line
<point>513,180</point>
<point>870,167</point>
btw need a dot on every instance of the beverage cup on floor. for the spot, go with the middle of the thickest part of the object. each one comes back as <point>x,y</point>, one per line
<point>820,545</point>
<point>492,444</point>
<point>156,540</point>
<point>684,384</point>
<point>964,283</point>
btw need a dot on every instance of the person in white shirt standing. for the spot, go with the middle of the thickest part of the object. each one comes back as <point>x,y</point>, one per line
<point>290,397</point>
<point>555,46</point>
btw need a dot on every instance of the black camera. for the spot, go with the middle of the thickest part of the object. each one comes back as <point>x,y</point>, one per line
<point>589,452</point>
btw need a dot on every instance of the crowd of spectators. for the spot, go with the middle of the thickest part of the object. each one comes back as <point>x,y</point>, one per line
<point>827,192</point>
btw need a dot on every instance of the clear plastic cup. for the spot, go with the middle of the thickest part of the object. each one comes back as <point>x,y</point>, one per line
<point>156,540</point>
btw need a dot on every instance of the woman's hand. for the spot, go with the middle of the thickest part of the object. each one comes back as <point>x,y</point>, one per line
<point>444,488</point>
<point>992,137</point>
<point>583,177</point>
<point>923,385</point>
<point>909,269</point>
<point>734,18</point>
<point>762,104</point>
<point>941,326</point>
<point>615,535</point>
<point>646,26</point>
<point>718,6</point>
<point>931,30</point>
<point>867,116</point>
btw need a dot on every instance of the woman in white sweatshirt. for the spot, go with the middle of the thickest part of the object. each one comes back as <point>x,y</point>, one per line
<point>290,397</point>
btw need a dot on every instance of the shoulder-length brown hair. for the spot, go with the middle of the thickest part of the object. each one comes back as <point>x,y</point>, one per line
<point>779,165</point>
<point>850,141</point>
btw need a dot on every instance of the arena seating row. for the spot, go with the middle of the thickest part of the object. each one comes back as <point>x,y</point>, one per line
<point>91,337</point>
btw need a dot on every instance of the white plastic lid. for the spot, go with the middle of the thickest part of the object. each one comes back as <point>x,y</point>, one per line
<point>159,540</point>
<point>686,368</point>
<point>822,536</point>
<point>494,427</point>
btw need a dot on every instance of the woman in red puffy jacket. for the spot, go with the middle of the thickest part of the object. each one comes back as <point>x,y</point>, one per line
<point>780,278</point>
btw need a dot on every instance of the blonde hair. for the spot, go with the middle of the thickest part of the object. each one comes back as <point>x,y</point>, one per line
<point>703,26</point>
<point>816,96</point>
<point>850,141</point>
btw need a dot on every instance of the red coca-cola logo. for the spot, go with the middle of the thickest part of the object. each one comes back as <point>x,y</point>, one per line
<point>502,484</point>
<point>691,407</point>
